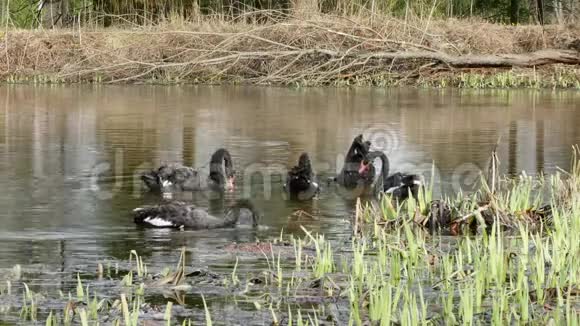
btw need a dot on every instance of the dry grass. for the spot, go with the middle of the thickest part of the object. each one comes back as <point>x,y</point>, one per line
<point>320,50</point>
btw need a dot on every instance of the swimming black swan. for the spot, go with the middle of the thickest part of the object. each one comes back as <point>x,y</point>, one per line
<point>179,215</point>
<point>398,185</point>
<point>177,177</point>
<point>356,174</point>
<point>300,182</point>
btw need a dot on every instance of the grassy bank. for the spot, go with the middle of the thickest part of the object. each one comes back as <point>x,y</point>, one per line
<point>392,271</point>
<point>320,50</point>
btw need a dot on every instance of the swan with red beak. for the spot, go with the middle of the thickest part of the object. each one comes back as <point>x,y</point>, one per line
<point>358,174</point>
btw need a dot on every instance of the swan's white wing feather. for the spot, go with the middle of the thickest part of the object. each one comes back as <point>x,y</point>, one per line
<point>392,189</point>
<point>157,221</point>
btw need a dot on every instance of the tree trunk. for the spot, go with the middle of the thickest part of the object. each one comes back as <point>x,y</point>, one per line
<point>540,11</point>
<point>559,11</point>
<point>54,13</point>
<point>104,8</point>
<point>514,10</point>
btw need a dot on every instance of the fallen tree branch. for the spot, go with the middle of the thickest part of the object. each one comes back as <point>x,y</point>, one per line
<point>313,52</point>
<point>538,58</point>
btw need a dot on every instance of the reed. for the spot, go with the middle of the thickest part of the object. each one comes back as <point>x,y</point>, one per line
<point>390,273</point>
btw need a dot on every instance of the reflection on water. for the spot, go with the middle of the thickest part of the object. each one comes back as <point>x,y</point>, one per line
<point>70,156</point>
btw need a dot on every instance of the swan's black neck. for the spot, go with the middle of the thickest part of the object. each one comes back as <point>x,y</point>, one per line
<point>304,165</point>
<point>218,160</point>
<point>384,165</point>
<point>235,216</point>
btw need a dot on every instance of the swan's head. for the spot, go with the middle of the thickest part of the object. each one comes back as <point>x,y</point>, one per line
<point>304,161</point>
<point>221,169</point>
<point>246,213</point>
<point>364,166</point>
<point>165,185</point>
<point>229,172</point>
<point>367,145</point>
<point>227,182</point>
<point>248,218</point>
<point>361,152</point>
<point>230,183</point>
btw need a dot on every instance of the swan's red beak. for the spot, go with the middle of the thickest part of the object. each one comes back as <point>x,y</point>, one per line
<point>230,183</point>
<point>363,167</point>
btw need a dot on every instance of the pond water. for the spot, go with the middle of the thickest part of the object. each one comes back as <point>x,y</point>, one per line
<point>70,158</point>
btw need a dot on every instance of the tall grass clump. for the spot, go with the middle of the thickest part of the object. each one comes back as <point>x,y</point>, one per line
<point>518,266</point>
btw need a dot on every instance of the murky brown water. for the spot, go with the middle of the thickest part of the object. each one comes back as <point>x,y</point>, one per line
<point>69,156</point>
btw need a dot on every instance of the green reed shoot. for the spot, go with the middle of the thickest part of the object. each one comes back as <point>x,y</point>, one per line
<point>131,317</point>
<point>299,321</point>
<point>497,263</point>
<point>390,211</point>
<point>83,315</point>
<point>80,290</point>
<point>29,309</point>
<point>234,276</point>
<point>448,305</point>
<point>141,267</point>
<point>425,195</point>
<point>467,305</point>
<point>167,316</point>
<point>410,313</point>
<point>539,270</point>
<point>324,262</point>
<point>127,279</point>
<point>126,313</point>
<point>354,298</point>
<point>279,271</point>
<point>381,304</point>
<point>358,262</point>
<point>186,322</point>
<point>523,295</point>
<point>207,314</point>
<point>297,253</point>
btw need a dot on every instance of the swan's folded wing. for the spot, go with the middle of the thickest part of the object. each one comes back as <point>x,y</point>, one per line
<point>152,216</point>
<point>172,214</point>
<point>198,218</point>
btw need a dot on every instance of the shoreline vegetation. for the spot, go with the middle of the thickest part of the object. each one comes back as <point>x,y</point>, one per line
<point>392,271</point>
<point>279,47</point>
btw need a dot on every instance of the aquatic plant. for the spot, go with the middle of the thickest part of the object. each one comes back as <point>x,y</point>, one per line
<point>393,270</point>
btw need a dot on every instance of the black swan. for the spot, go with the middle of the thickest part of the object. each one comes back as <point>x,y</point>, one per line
<point>357,174</point>
<point>179,215</point>
<point>177,177</point>
<point>300,181</point>
<point>398,185</point>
